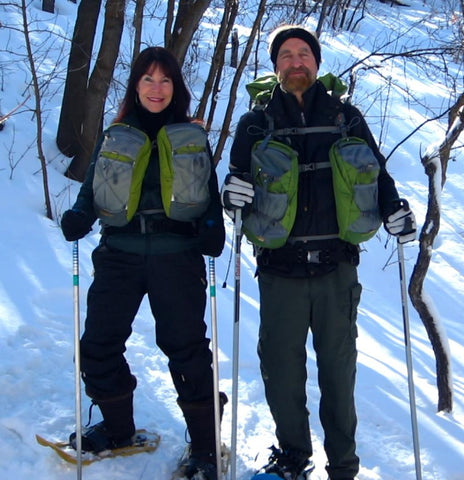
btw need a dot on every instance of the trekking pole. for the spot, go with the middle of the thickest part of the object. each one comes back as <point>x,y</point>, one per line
<point>407,341</point>
<point>235,354</point>
<point>77,358</point>
<point>214,345</point>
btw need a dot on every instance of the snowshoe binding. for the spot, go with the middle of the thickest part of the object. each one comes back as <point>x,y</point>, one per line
<point>288,464</point>
<point>197,469</point>
<point>96,439</point>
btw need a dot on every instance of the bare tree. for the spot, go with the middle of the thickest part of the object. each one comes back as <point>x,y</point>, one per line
<point>48,6</point>
<point>137,22</point>
<point>189,13</point>
<point>235,82</point>
<point>68,138</point>
<point>170,4</point>
<point>98,86</point>
<point>38,110</point>
<point>217,63</point>
<point>435,162</point>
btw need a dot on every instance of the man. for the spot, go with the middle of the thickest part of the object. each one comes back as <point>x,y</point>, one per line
<point>311,281</point>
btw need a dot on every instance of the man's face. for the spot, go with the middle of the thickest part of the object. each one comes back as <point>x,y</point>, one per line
<point>296,67</point>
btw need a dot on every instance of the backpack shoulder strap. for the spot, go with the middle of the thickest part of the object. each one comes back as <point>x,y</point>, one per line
<point>339,128</point>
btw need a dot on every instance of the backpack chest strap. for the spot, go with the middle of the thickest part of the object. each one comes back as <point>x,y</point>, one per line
<point>306,130</point>
<point>311,167</point>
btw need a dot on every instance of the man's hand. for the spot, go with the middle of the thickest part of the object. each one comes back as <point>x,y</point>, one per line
<point>402,223</point>
<point>236,192</point>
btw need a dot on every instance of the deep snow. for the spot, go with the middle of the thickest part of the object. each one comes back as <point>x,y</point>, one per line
<point>36,296</point>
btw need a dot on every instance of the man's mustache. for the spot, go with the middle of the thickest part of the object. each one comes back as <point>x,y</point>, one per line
<point>297,70</point>
<point>287,73</point>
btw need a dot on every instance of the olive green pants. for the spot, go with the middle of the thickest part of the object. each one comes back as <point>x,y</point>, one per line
<point>289,308</point>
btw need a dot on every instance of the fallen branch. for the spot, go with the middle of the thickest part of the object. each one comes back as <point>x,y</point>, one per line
<point>5,117</point>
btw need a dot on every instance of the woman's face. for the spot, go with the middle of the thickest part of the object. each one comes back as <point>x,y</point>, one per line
<point>155,90</point>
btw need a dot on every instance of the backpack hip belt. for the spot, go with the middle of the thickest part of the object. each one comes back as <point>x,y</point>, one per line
<point>291,255</point>
<point>152,224</point>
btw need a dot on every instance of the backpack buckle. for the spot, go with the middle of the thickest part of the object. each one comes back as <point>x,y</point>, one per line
<point>318,256</point>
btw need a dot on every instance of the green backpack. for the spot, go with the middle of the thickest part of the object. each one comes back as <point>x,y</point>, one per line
<point>355,171</point>
<point>274,171</point>
<point>119,170</point>
<point>185,170</point>
<point>185,165</point>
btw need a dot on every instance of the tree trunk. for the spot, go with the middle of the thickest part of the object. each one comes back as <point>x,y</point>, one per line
<point>217,63</point>
<point>99,83</point>
<point>238,74</point>
<point>37,112</point>
<point>435,163</point>
<point>137,23</point>
<point>48,6</point>
<point>169,21</point>
<point>416,292</point>
<point>75,89</point>
<point>188,18</point>
<point>322,17</point>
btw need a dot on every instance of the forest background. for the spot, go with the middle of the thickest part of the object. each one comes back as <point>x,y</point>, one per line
<point>63,69</point>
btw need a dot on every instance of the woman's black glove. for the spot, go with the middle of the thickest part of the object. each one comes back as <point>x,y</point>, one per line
<point>75,225</point>
<point>212,237</point>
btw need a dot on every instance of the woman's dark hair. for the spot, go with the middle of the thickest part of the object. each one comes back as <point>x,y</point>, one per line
<point>165,60</point>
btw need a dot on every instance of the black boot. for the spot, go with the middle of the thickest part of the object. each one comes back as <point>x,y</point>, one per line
<point>199,417</point>
<point>288,464</point>
<point>117,429</point>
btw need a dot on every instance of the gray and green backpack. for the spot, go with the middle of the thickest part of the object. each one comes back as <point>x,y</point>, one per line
<point>185,170</point>
<point>275,170</point>
<point>119,170</point>
<point>185,165</point>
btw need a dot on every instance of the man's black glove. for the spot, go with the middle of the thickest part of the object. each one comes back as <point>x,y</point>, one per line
<point>402,222</point>
<point>75,225</point>
<point>237,192</point>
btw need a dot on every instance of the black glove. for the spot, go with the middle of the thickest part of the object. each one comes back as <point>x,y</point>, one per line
<point>402,223</point>
<point>212,237</point>
<point>75,225</point>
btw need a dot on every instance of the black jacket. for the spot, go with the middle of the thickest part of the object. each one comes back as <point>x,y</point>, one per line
<point>164,235</point>
<point>316,211</point>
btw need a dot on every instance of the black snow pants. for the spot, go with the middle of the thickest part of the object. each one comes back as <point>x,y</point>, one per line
<point>176,287</point>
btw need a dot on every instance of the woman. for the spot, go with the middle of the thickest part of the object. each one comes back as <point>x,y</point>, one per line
<point>154,255</point>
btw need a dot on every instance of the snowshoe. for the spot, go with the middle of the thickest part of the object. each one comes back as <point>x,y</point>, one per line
<point>96,439</point>
<point>143,441</point>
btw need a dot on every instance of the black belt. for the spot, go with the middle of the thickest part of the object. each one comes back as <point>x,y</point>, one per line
<point>345,253</point>
<point>146,224</point>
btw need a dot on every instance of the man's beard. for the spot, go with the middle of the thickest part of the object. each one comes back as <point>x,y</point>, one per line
<point>300,83</point>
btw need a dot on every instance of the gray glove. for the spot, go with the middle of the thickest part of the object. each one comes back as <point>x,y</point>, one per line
<point>402,223</point>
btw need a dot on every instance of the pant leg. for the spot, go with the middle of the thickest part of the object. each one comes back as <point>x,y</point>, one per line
<point>177,294</point>
<point>112,303</point>
<point>285,315</point>
<point>335,298</point>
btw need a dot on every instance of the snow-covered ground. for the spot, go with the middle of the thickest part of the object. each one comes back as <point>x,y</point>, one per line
<point>36,294</point>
